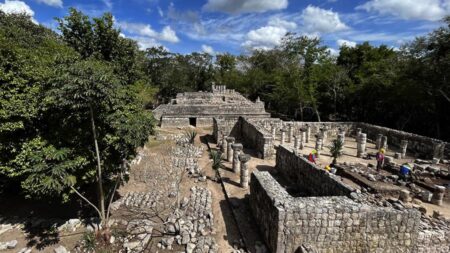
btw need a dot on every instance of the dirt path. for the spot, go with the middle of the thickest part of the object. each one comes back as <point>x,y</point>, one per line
<point>227,233</point>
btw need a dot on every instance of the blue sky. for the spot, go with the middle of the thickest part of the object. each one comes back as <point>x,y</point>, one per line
<point>236,26</point>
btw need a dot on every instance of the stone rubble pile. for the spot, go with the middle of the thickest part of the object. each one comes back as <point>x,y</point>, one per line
<point>195,227</point>
<point>138,200</point>
<point>168,137</point>
<point>8,245</point>
<point>186,157</point>
<point>191,226</point>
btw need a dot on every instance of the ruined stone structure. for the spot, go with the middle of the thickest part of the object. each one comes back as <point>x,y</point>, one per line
<point>328,219</point>
<point>313,208</point>
<point>199,108</point>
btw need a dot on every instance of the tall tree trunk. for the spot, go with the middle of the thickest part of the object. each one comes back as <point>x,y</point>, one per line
<point>99,168</point>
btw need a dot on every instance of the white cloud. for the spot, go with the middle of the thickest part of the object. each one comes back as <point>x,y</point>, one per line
<point>160,12</point>
<point>169,35</point>
<point>264,38</point>
<point>244,6</point>
<point>108,3</point>
<point>268,36</point>
<point>145,42</point>
<point>55,3</point>
<point>333,52</point>
<point>208,49</point>
<point>317,20</point>
<point>146,36</point>
<point>282,23</point>
<point>346,43</point>
<point>17,7</point>
<point>138,29</point>
<point>409,9</point>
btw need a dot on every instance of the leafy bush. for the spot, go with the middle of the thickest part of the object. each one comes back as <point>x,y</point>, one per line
<point>336,149</point>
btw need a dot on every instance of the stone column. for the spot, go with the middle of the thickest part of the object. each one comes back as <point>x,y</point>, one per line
<point>358,132</point>
<point>274,131</point>
<point>441,153</point>
<point>302,138</point>
<point>342,133</point>
<point>307,133</point>
<point>438,195</point>
<point>324,133</point>
<point>290,133</point>
<point>384,142</point>
<point>341,137</point>
<point>237,147</point>
<point>244,158</point>
<point>437,148</point>
<point>405,196</point>
<point>296,142</point>
<point>379,141</point>
<point>319,144</point>
<point>361,144</point>
<point>224,146</point>
<point>230,141</point>
<point>283,133</point>
<point>404,147</point>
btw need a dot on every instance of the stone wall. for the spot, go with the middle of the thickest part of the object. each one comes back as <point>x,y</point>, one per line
<point>256,138</point>
<point>308,177</point>
<point>417,144</point>
<point>225,126</point>
<point>204,122</point>
<point>174,122</point>
<point>328,224</point>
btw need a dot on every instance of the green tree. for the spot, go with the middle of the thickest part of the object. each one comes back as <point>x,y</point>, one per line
<point>89,91</point>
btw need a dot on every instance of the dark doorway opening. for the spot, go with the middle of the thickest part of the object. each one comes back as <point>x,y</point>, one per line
<point>193,121</point>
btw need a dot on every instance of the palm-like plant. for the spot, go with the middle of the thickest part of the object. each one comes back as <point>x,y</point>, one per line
<point>336,149</point>
<point>190,136</point>
<point>216,157</point>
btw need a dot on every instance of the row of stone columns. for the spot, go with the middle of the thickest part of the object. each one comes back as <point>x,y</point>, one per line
<point>233,153</point>
<point>290,133</point>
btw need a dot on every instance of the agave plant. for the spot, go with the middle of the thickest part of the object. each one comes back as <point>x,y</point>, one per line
<point>336,149</point>
<point>216,157</point>
<point>190,136</point>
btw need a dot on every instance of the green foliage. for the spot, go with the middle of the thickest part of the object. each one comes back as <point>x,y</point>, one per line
<point>48,90</point>
<point>190,136</point>
<point>336,149</point>
<point>216,157</point>
<point>89,242</point>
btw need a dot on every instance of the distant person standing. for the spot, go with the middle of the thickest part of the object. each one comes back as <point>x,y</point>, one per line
<point>312,156</point>
<point>380,159</point>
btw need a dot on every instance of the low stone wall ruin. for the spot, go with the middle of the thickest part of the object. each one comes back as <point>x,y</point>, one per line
<point>417,144</point>
<point>328,224</point>
<point>308,177</point>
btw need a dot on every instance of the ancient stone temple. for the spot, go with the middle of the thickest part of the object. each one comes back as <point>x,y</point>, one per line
<point>199,108</point>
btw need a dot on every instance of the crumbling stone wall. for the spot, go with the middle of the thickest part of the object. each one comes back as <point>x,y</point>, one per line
<point>417,144</point>
<point>328,224</point>
<point>308,177</point>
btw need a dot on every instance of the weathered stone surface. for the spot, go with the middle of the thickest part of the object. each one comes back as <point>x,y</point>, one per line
<point>61,249</point>
<point>327,224</point>
<point>202,107</point>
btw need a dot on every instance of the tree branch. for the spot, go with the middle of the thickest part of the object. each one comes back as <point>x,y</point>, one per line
<point>445,95</point>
